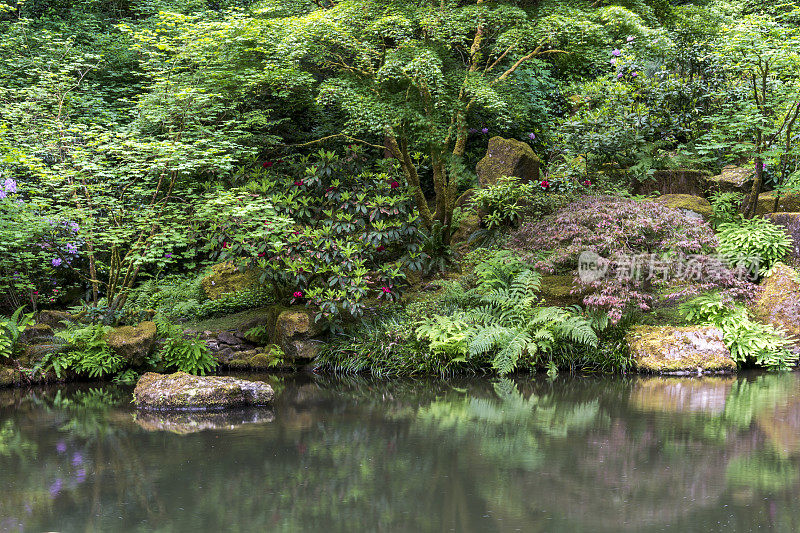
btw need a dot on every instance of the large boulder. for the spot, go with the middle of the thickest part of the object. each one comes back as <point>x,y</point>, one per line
<point>787,203</point>
<point>133,343</point>
<point>732,179</point>
<point>295,329</point>
<point>677,350</point>
<point>55,319</point>
<point>225,279</point>
<point>779,301</point>
<point>791,222</point>
<point>508,157</point>
<point>677,181</point>
<point>692,206</point>
<point>185,391</point>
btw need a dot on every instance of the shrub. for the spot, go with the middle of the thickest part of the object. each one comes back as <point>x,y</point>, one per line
<point>184,354</point>
<point>501,204</point>
<point>87,353</point>
<point>750,342</point>
<point>619,230</point>
<point>753,243</point>
<point>725,207</point>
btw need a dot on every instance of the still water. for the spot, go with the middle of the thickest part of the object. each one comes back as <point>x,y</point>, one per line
<point>529,454</point>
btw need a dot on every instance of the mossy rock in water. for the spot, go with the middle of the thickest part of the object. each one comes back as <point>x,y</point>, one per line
<point>671,350</point>
<point>779,302</point>
<point>185,391</point>
<point>133,343</point>
<point>508,157</point>
<point>226,278</point>
<point>687,203</point>
<point>787,203</point>
<point>790,222</point>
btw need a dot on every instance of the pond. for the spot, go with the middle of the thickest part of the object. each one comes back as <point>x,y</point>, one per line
<point>528,454</point>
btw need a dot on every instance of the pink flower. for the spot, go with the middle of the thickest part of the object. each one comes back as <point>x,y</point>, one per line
<point>386,290</point>
<point>298,294</point>
<point>226,244</point>
<point>380,248</point>
<point>634,74</point>
<point>587,183</point>
<point>298,183</point>
<point>616,52</point>
<point>545,184</point>
<point>613,61</point>
<point>630,38</point>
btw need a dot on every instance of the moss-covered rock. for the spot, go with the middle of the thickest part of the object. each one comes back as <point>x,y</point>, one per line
<point>791,222</point>
<point>225,279</point>
<point>133,343</point>
<point>185,391</point>
<point>188,422</point>
<point>558,290</point>
<point>694,349</point>
<point>779,301</point>
<point>55,319</point>
<point>507,157</point>
<point>676,181</point>
<point>466,227</point>
<point>787,203</point>
<point>687,203</point>
<point>36,333</point>
<point>732,179</point>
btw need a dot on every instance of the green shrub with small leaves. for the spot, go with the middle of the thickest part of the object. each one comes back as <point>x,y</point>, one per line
<point>501,204</point>
<point>725,207</point>
<point>755,242</point>
<point>751,343</point>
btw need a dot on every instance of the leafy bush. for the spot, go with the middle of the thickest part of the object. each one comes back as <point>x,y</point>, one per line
<point>10,331</point>
<point>725,207</point>
<point>753,243</point>
<point>500,204</point>
<point>331,234</point>
<point>87,353</point>
<point>750,342</point>
<point>178,352</point>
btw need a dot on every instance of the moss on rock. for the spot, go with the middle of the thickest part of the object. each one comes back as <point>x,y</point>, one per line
<point>682,181</point>
<point>732,179</point>
<point>665,349</point>
<point>185,391</point>
<point>508,157</point>
<point>687,202</point>
<point>787,203</point>
<point>791,222</point>
<point>225,279</point>
<point>557,290</point>
<point>133,343</point>
<point>779,301</point>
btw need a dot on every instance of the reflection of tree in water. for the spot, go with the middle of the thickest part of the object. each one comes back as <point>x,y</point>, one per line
<point>578,454</point>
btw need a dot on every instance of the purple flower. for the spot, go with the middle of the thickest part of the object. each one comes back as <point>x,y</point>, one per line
<point>168,255</point>
<point>71,248</point>
<point>77,459</point>
<point>2,194</point>
<point>10,185</point>
<point>55,488</point>
<point>532,136</point>
<point>74,227</point>
<point>634,74</point>
<point>61,447</point>
<point>616,52</point>
<point>56,261</point>
<point>80,475</point>
<point>763,166</point>
<point>613,61</point>
<point>473,130</point>
<point>630,38</point>
<point>485,131</point>
<point>619,75</point>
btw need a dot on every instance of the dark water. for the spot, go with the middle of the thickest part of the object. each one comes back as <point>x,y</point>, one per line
<point>576,454</point>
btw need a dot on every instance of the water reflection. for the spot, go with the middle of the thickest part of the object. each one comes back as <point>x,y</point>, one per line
<point>468,455</point>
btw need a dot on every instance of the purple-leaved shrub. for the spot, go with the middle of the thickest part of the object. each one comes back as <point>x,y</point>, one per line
<point>674,252</point>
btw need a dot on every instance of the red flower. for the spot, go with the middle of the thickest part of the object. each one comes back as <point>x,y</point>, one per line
<point>226,244</point>
<point>545,184</point>
<point>299,183</point>
<point>587,183</point>
<point>267,164</point>
<point>386,290</point>
<point>262,254</point>
<point>380,248</point>
<point>394,184</point>
<point>329,189</point>
<point>298,294</point>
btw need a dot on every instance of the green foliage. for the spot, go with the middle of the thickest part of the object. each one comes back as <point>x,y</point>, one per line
<point>10,330</point>
<point>501,204</point>
<point>753,243</point>
<point>750,342</point>
<point>725,207</point>
<point>182,353</point>
<point>87,353</point>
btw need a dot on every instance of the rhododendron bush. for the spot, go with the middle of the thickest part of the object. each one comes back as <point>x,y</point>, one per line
<point>643,249</point>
